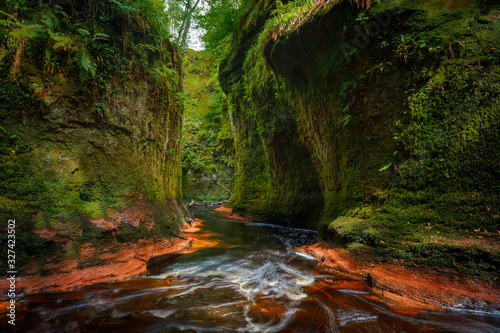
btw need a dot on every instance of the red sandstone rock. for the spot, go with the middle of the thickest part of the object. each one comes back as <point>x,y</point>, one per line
<point>119,263</point>
<point>235,217</point>
<point>404,286</point>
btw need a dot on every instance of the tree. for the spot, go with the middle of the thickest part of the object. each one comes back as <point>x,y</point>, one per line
<point>181,15</point>
<point>219,22</point>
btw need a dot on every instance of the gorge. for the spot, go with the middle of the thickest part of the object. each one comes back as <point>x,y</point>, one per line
<point>356,144</point>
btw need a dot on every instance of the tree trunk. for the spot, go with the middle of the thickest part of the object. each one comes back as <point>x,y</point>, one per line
<point>186,24</point>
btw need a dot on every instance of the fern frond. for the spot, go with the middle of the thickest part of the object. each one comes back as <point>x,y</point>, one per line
<point>83,32</point>
<point>100,36</point>
<point>147,47</point>
<point>164,74</point>
<point>86,64</point>
<point>28,31</point>
<point>60,10</point>
<point>61,41</point>
<point>9,24</point>
<point>14,19</point>
<point>50,21</point>
<point>3,53</point>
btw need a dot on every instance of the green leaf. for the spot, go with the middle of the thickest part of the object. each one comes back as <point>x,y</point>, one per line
<point>345,120</point>
<point>48,54</point>
<point>100,36</point>
<point>122,7</point>
<point>61,11</point>
<point>86,64</point>
<point>61,41</point>
<point>385,166</point>
<point>28,31</point>
<point>11,16</point>
<point>83,32</point>
<point>147,47</point>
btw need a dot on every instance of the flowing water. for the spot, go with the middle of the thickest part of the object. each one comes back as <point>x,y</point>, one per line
<point>251,281</point>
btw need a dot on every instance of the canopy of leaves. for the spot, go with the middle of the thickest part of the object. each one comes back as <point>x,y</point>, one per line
<point>219,22</point>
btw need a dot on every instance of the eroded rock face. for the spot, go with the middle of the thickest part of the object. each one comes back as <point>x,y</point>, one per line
<point>276,175</point>
<point>379,127</point>
<point>77,163</point>
<point>77,153</point>
<point>366,106</point>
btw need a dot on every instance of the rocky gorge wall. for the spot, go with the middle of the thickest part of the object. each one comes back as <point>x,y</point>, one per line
<point>90,125</point>
<point>377,125</point>
<point>276,177</point>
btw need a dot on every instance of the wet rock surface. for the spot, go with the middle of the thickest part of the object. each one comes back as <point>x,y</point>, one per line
<point>408,286</point>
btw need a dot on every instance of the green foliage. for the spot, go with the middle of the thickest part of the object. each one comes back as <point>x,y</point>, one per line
<point>123,7</point>
<point>410,128</point>
<point>202,154</point>
<point>220,23</point>
<point>86,64</point>
<point>206,145</point>
<point>146,13</point>
<point>78,66</point>
<point>165,75</point>
<point>181,15</point>
<point>91,43</point>
<point>385,167</point>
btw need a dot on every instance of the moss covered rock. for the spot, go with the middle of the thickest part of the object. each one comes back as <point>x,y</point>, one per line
<point>88,125</point>
<point>394,108</point>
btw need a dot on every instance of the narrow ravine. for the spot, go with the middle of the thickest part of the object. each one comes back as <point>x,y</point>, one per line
<point>251,281</point>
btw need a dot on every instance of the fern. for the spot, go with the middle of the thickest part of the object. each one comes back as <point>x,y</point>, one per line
<point>50,21</point>
<point>164,75</point>
<point>86,64</point>
<point>122,8</point>
<point>345,120</point>
<point>148,47</point>
<point>61,41</point>
<point>13,18</point>
<point>100,36</point>
<point>60,11</point>
<point>83,32</point>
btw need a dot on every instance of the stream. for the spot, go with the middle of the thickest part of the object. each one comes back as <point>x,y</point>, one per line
<point>251,281</point>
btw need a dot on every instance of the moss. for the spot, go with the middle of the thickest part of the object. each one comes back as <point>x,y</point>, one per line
<point>402,228</point>
<point>206,192</point>
<point>399,138</point>
<point>207,145</point>
<point>75,147</point>
<point>276,174</point>
<point>355,230</point>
